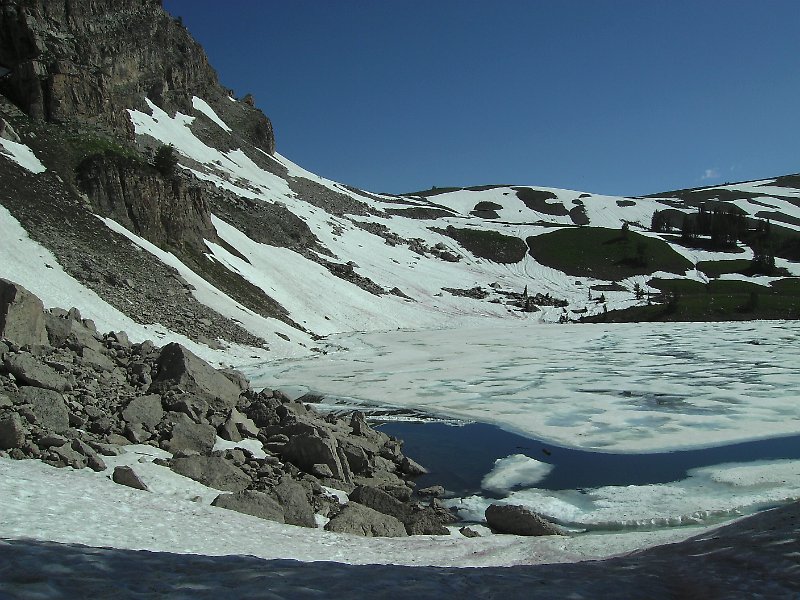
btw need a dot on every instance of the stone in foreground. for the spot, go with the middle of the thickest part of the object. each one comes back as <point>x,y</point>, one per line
<point>518,520</point>
<point>21,315</point>
<point>360,520</point>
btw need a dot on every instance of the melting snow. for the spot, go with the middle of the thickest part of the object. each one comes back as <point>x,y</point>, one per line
<point>203,107</point>
<point>22,155</point>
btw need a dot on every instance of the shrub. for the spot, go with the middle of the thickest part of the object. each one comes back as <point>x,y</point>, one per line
<point>165,160</point>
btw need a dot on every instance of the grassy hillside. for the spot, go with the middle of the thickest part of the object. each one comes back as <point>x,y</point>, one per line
<point>719,300</point>
<point>610,254</point>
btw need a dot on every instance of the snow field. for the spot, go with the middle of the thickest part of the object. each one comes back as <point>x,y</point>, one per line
<point>66,506</point>
<point>616,387</point>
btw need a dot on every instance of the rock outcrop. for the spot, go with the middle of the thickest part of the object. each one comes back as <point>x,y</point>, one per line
<point>164,210</point>
<point>21,315</point>
<point>78,394</point>
<point>518,520</point>
<point>87,62</point>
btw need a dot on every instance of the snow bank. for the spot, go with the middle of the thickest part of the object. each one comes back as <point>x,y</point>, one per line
<point>22,155</point>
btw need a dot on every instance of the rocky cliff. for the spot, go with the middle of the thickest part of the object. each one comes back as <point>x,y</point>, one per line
<point>88,61</point>
<point>165,210</point>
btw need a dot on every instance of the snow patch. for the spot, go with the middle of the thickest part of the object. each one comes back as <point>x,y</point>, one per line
<point>22,155</point>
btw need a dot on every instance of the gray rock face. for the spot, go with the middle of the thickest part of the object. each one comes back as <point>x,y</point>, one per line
<point>30,371</point>
<point>305,451</point>
<point>12,432</point>
<point>179,368</point>
<point>417,520</point>
<point>144,410</point>
<point>64,329</point>
<point>58,55</point>
<point>96,360</point>
<point>249,502</point>
<point>518,520</point>
<point>140,198</point>
<point>292,496</point>
<point>125,475</point>
<point>357,519</point>
<point>47,406</point>
<point>21,315</point>
<point>188,436</point>
<point>213,471</point>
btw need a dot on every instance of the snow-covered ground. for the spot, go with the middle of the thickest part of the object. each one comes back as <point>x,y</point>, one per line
<point>76,534</point>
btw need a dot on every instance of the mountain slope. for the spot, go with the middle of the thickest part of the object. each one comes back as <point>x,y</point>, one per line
<point>253,257</point>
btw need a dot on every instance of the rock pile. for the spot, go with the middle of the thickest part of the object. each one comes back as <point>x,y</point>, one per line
<point>69,396</point>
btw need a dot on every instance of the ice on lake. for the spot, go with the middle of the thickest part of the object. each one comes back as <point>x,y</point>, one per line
<point>623,388</point>
<point>616,387</point>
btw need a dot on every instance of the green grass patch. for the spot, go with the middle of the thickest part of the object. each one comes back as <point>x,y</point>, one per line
<point>491,245</point>
<point>89,145</point>
<point>721,300</point>
<point>609,254</point>
<point>715,268</point>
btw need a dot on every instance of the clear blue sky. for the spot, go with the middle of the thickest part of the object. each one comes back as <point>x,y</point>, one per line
<point>607,96</point>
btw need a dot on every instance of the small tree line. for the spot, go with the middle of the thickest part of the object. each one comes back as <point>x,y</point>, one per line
<point>722,229</point>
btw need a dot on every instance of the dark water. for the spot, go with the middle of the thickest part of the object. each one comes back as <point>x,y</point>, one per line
<point>459,457</point>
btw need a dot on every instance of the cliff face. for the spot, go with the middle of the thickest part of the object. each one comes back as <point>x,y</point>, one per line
<point>164,210</point>
<point>87,61</point>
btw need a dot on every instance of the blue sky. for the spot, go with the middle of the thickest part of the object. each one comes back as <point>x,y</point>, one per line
<point>607,96</point>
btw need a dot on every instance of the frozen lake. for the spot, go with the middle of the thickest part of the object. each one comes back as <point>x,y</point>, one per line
<point>616,388</point>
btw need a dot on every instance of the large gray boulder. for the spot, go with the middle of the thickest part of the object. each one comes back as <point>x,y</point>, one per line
<point>188,436</point>
<point>213,471</point>
<point>21,315</point>
<point>249,502</point>
<point>48,408</point>
<point>63,328</point>
<point>179,368</point>
<point>518,520</point>
<point>357,519</point>
<point>125,475</point>
<point>305,451</point>
<point>292,496</point>
<point>145,411</point>
<point>30,371</point>
<point>417,520</point>
<point>12,432</point>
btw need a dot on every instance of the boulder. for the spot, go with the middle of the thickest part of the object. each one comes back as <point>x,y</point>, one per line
<point>417,520</point>
<point>518,520</point>
<point>12,432</point>
<point>144,410</point>
<point>179,368</point>
<point>67,456</point>
<point>62,330</point>
<point>292,496</point>
<point>213,471</point>
<point>21,315</point>
<point>191,405</point>
<point>411,467</point>
<point>30,371</point>
<point>188,436</point>
<point>48,408</point>
<point>229,431</point>
<point>244,424</point>
<point>125,475</point>
<point>305,451</point>
<point>357,519</point>
<point>96,360</point>
<point>249,502</point>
